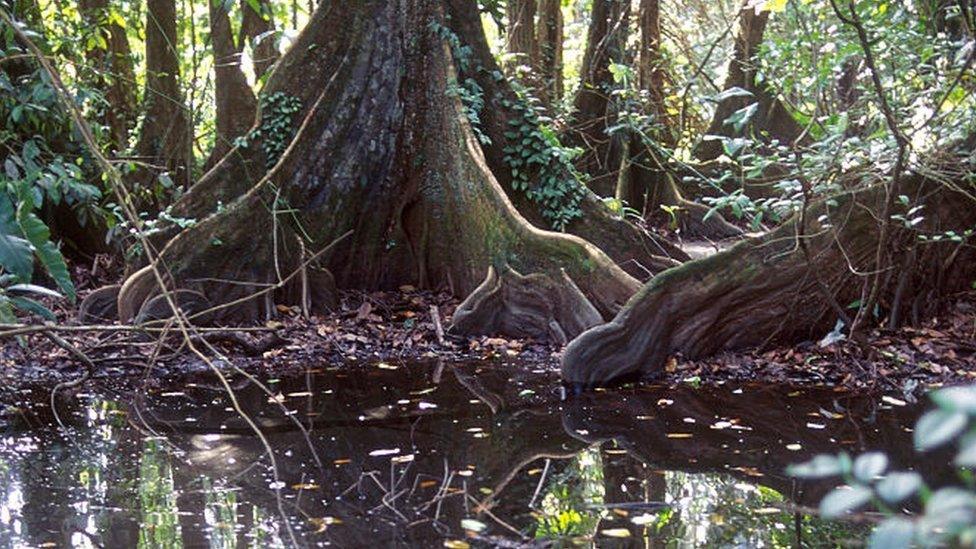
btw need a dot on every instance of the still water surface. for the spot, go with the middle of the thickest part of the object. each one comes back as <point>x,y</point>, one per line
<point>432,455</point>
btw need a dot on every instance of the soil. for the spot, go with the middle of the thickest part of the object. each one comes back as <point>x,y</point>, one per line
<point>399,326</point>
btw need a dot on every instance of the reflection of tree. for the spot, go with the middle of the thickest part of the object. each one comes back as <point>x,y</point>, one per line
<point>571,504</point>
<point>160,526</point>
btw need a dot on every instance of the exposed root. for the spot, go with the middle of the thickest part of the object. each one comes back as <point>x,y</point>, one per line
<point>535,305</point>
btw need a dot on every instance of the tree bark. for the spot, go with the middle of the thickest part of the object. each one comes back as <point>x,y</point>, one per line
<point>520,39</point>
<point>771,119</point>
<point>164,139</point>
<point>606,42</point>
<point>386,168</point>
<point>549,51</point>
<point>765,289</point>
<point>115,72</point>
<point>258,29</point>
<point>236,106</point>
<point>641,254</point>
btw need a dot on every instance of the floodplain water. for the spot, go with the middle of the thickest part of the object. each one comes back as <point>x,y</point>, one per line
<point>433,454</point>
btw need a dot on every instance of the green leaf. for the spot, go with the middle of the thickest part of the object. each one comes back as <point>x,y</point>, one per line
<point>897,486</point>
<point>893,533</point>
<point>734,91</point>
<point>34,289</point>
<point>16,256</point>
<point>869,466</point>
<point>950,503</point>
<point>843,500</point>
<point>959,399</point>
<point>39,235</point>
<point>937,427</point>
<point>29,305</point>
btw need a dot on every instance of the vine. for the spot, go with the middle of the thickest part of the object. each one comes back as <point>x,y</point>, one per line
<point>277,127</point>
<point>541,167</point>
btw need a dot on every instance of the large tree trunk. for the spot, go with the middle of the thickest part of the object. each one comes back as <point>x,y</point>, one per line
<point>322,52</point>
<point>606,44</point>
<point>766,289</point>
<point>115,72</point>
<point>257,26</point>
<point>549,51</point>
<point>771,117</point>
<point>164,140</point>
<point>385,157</point>
<point>235,103</point>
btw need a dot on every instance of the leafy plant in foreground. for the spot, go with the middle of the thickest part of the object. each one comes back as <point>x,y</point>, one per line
<point>948,514</point>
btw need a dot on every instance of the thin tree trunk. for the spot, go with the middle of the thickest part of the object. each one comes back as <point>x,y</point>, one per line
<point>163,144</point>
<point>520,39</point>
<point>116,74</point>
<point>258,29</point>
<point>549,51</point>
<point>771,116</point>
<point>235,103</point>
<point>606,41</point>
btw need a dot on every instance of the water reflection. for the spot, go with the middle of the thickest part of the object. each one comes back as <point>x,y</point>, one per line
<point>420,454</point>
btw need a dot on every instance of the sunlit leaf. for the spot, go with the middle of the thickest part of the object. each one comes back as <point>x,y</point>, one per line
<point>894,533</point>
<point>937,427</point>
<point>843,500</point>
<point>869,466</point>
<point>897,486</point>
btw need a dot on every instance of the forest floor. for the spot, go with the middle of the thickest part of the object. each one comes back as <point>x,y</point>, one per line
<point>400,326</point>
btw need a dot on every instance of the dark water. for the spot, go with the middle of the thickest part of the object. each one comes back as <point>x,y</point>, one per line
<point>423,455</point>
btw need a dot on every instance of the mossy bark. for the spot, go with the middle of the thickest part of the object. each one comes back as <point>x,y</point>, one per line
<point>765,289</point>
<point>390,159</point>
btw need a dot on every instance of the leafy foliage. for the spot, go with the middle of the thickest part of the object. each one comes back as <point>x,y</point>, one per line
<point>949,513</point>
<point>277,126</point>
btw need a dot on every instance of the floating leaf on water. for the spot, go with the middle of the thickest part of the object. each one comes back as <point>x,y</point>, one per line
<point>526,392</point>
<point>423,391</point>
<point>386,366</point>
<point>616,532</point>
<point>342,461</point>
<point>385,452</point>
<point>173,394</point>
<point>893,401</point>
<point>719,425</point>
<point>426,405</point>
<point>305,486</point>
<point>689,420</point>
<point>486,491</point>
<point>679,435</point>
<point>428,483</point>
<point>299,394</point>
<point>794,447</point>
<point>456,544</point>
<point>473,525</point>
<point>665,402</point>
<point>816,426</point>
<point>403,459</point>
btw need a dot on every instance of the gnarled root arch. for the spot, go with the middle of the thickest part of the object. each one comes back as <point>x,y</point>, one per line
<point>390,162</point>
<point>765,289</point>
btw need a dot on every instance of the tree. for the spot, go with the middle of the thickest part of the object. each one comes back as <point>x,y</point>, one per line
<point>520,33</point>
<point>645,180</point>
<point>111,60</point>
<point>164,139</point>
<point>549,51</point>
<point>594,110</point>
<point>235,103</point>
<point>257,27</point>
<point>792,283</point>
<point>742,91</point>
<point>384,184</point>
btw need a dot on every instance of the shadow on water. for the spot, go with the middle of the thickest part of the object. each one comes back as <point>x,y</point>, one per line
<point>421,454</point>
